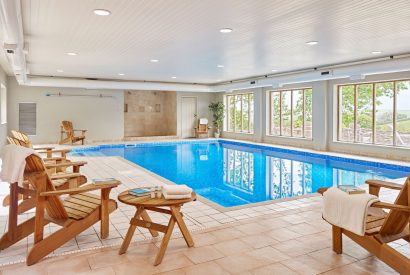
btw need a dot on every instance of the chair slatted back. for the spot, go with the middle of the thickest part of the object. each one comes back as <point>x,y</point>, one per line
<point>202,127</point>
<point>17,141</point>
<point>397,221</point>
<point>68,128</point>
<point>21,136</point>
<point>35,173</point>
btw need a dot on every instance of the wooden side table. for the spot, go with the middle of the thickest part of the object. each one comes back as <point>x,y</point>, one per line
<point>142,219</point>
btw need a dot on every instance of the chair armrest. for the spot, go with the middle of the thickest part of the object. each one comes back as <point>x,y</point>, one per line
<point>55,151</point>
<point>66,164</point>
<point>82,189</point>
<point>53,159</point>
<point>64,176</point>
<point>391,206</point>
<point>385,184</point>
<point>43,148</point>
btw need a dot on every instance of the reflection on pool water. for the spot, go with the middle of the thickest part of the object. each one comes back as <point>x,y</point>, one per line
<point>232,173</point>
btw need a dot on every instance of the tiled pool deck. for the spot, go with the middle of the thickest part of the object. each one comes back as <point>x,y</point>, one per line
<point>287,237</point>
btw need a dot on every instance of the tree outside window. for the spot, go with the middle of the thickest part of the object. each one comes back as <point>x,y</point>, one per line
<point>240,112</point>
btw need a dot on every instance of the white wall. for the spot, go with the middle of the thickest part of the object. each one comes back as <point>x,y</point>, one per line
<point>3,127</point>
<point>324,114</point>
<point>103,118</point>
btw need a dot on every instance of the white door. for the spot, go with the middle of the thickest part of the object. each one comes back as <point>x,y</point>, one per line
<point>188,117</point>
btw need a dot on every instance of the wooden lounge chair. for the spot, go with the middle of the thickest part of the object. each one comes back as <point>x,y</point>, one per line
<point>74,214</point>
<point>202,128</point>
<point>56,168</point>
<point>44,150</point>
<point>69,132</point>
<point>381,230</point>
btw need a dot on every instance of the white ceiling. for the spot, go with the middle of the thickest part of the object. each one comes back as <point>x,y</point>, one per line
<point>184,36</point>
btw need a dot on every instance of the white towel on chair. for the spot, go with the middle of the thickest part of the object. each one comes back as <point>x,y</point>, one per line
<point>176,190</point>
<point>347,211</point>
<point>203,121</point>
<point>13,163</point>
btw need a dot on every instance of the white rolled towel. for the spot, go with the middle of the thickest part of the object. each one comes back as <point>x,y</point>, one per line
<point>176,190</point>
<point>176,197</point>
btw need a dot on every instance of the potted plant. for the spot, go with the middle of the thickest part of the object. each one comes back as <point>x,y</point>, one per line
<point>217,109</point>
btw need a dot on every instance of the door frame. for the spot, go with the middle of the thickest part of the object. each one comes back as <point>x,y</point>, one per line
<point>196,110</point>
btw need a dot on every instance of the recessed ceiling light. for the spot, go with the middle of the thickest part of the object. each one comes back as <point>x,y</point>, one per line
<point>311,43</point>
<point>376,52</point>
<point>225,30</point>
<point>274,70</point>
<point>173,77</point>
<point>60,71</point>
<point>154,60</point>
<point>102,12</point>
<point>220,66</point>
<point>71,53</point>
<point>121,74</point>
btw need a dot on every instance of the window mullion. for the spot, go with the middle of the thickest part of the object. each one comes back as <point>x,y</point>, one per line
<point>303,113</point>
<point>374,115</point>
<point>291,113</point>
<point>355,114</point>
<point>394,113</point>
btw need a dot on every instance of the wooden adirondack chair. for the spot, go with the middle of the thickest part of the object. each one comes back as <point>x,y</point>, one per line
<point>381,230</point>
<point>74,214</point>
<point>42,150</point>
<point>61,179</point>
<point>68,130</point>
<point>202,128</point>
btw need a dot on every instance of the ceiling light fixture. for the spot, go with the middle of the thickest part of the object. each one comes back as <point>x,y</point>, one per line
<point>121,74</point>
<point>220,66</point>
<point>225,30</point>
<point>311,43</point>
<point>72,54</point>
<point>274,70</point>
<point>154,60</point>
<point>60,71</point>
<point>102,12</point>
<point>376,52</point>
<point>173,77</point>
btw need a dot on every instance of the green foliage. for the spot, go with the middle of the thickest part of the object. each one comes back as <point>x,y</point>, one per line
<point>217,109</point>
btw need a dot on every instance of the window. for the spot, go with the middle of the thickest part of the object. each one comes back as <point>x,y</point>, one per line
<point>375,113</point>
<point>239,110</point>
<point>27,118</point>
<point>3,104</point>
<point>291,113</point>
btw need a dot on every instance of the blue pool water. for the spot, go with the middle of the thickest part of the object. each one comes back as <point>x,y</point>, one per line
<point>233,173</point>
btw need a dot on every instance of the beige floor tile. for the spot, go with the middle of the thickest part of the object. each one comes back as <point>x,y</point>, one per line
<point>306,265</point>
<point>99,271</point>
<point>172,262</point>
<point>276,268</point>
<point>208,268</point>
<point>227,234</point>
<point>138,266</point>
<point>283,234</point>
<point>259,240</point>
<point>232,247</point>
<point>251,228</point>
<point>204,239</point>
<point>203,254</point>
<point>237,264</point>
<point>375,266</point>
<point>353,268</point>
<point>327,256</point>
<point>268,254</point>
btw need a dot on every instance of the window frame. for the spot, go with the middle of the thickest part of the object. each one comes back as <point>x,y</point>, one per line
<point>374,94</point>
<point>234,130</point>
<point>281,91</point>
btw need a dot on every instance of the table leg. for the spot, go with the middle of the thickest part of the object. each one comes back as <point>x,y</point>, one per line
<point>184,230</point>
<point>131,231</point>
<point>165,241</point>
<point>145,217</point>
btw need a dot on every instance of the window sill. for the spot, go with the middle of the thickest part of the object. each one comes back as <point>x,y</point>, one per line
<point>372,145</point>
<point>241,133</point>
<point>286,137</point>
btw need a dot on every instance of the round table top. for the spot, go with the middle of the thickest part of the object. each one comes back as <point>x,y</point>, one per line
<point>146,201</point>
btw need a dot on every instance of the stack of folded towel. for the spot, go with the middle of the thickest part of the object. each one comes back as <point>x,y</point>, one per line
<point>176,192</point>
